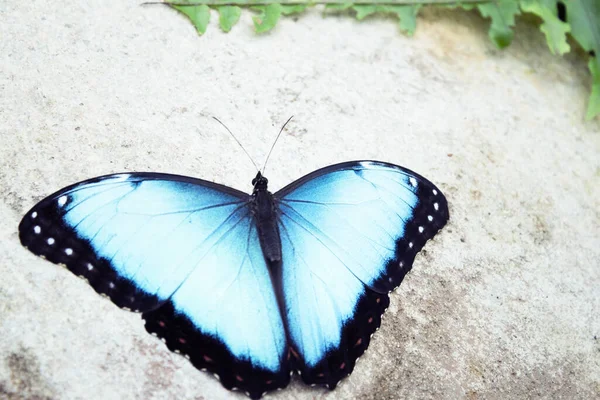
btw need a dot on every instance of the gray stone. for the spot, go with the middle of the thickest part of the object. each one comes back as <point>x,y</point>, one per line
<point>503,303</point>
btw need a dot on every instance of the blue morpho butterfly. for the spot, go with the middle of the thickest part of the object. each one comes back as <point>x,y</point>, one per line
<point>250,287</point>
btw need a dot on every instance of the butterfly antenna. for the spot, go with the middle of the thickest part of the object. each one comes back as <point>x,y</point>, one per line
<point>274,143</point>
<point>238,142</point>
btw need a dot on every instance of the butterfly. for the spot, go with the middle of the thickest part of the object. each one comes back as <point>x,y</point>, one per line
<point>250,287</point>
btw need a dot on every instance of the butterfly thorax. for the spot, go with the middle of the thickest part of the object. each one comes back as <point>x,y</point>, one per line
<point>265,214</point>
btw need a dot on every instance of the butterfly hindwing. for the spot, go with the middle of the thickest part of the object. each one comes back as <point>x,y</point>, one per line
<point>183,251</point>
<point>242,337</point>
<point>349,235</point>
<point>331,314</point>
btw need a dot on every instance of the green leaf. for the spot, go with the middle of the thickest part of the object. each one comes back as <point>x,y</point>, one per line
<point>268,17</point>
<point>289,9</point>
<point>594,102</point>
<point>464,6</point>
<point>228,16</point>
<point>407,17</point>
<point>502,14</point>
<point>337,7</point>
<point>364,10</point>
<point>406,14</point>
<point>583,16</point>
<point>554,29</point>
<point>199,15</point>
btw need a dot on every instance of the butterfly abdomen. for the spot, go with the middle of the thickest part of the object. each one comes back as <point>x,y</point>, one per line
<point>266,223</point>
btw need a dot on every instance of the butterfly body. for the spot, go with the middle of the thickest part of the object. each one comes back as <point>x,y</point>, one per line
<point>264,210</point>
<point>249,287</point>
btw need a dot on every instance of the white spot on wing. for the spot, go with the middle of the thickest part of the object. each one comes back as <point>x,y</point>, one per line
<point>62,200</point>
<point>436,206</point>
<point>434,192</point>
<point>410,244</point>
<point>34,214</point>
<point>413,181</point>
<point>90,266</point>
<point>37,230</point>
<point>430,218</point>
<point>421,229</point>
<point>50,241</point>
<point>68,251</point>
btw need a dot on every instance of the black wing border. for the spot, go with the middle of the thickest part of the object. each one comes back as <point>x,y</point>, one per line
<point>145,176</point>
<point>341,167</point>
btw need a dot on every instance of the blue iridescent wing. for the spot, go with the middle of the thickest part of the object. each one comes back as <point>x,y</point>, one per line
<point>349,235</point>
<point>183,251</point>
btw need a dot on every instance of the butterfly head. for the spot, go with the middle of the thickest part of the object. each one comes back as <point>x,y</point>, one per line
<point>260,182</point>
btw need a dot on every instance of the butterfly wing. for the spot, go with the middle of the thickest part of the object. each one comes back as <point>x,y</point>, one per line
<point>349,235</point>
<point>225,317</point>
<point>183,251</point>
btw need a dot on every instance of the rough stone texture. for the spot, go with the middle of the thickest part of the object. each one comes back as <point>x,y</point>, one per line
<point>504,303</point>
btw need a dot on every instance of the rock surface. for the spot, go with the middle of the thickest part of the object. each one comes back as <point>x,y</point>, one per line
<point>503,303</point>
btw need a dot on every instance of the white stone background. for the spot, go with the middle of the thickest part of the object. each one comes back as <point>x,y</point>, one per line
<point>503,303</point>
